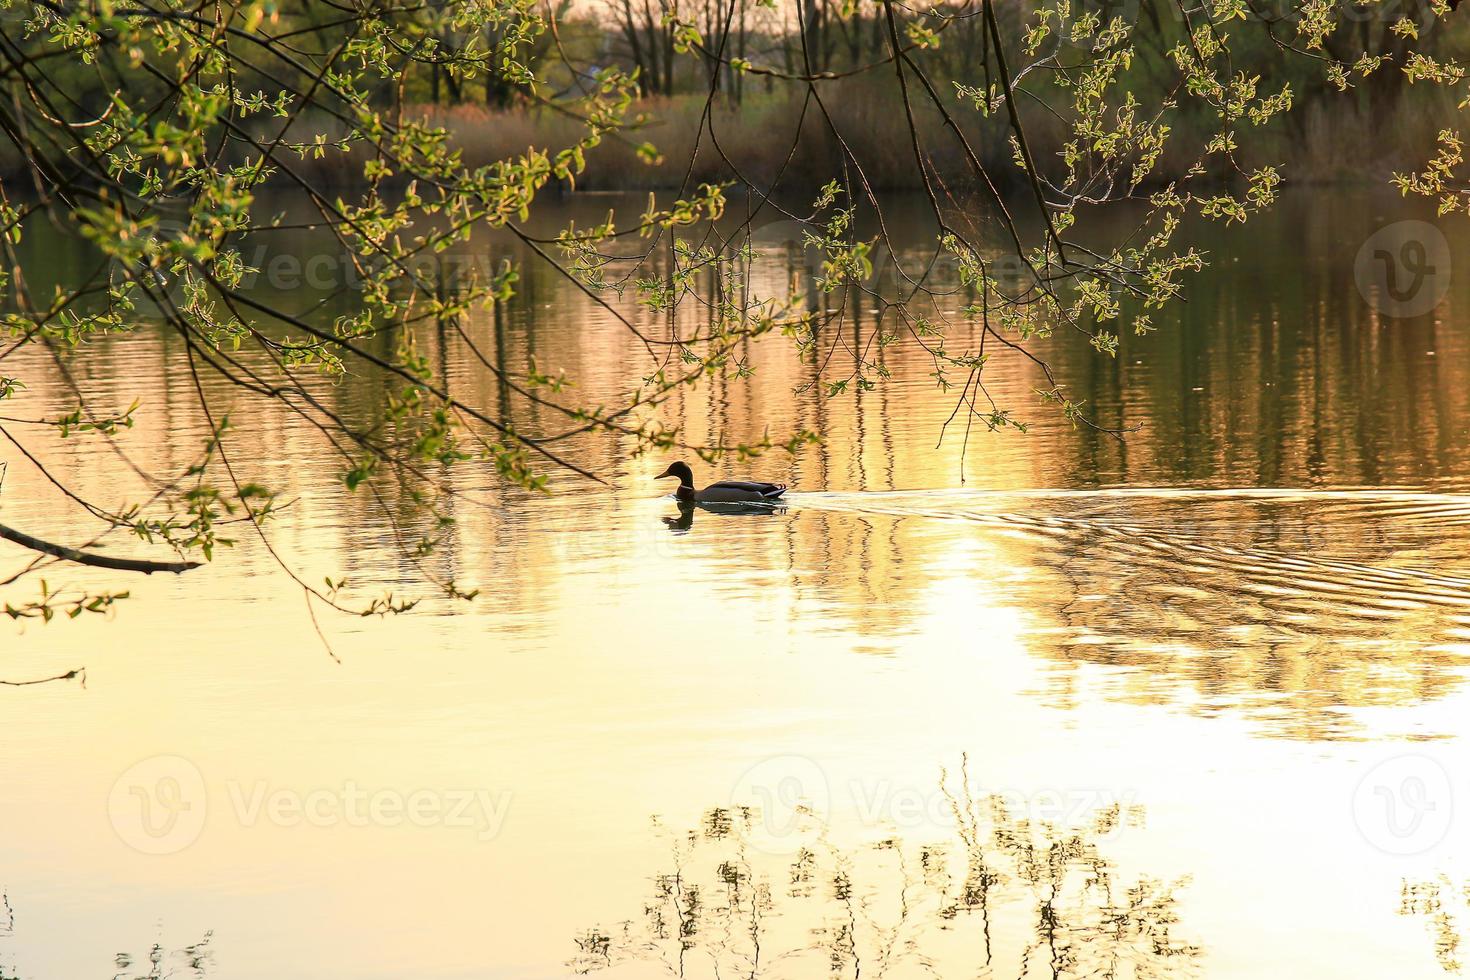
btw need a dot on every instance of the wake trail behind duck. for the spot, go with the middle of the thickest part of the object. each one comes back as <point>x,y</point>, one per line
<point>1364,552</point>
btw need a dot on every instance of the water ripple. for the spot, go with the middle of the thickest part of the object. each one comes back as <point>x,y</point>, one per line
<point>1356,597</point>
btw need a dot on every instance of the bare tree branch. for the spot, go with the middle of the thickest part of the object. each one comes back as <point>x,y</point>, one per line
<point>93,559</point>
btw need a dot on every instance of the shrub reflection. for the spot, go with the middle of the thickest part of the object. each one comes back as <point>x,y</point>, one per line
<point>1004,896</point>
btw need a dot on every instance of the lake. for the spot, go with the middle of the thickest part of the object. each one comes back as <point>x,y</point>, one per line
<point>1188,702</point>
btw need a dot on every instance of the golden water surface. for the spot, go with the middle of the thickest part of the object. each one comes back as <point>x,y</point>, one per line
<point>1037,705</point>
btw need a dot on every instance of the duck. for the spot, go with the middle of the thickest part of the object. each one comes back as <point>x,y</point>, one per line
<point>724,492</point>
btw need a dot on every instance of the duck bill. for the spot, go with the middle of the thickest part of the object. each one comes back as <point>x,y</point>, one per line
<point>667,472</point>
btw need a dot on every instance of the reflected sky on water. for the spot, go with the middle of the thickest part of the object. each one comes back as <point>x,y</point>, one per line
<point>1243,619</point>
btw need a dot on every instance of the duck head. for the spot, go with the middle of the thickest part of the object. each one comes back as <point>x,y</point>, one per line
<point>686,479</point>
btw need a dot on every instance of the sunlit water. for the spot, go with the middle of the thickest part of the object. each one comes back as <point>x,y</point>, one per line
<point>1215,672</point>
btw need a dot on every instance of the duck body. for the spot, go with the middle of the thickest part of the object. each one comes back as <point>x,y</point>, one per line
<point>732,492</point>
<point>724,492</point>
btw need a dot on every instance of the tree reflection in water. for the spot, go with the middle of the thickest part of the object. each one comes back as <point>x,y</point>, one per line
<point>194,961</point>
<point>1007,896</point>
<point>1443,904</point>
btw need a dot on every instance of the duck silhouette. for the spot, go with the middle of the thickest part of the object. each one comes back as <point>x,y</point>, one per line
<point>724,492</point>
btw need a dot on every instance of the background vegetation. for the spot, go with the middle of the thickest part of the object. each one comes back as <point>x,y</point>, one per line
<point>154,131</point>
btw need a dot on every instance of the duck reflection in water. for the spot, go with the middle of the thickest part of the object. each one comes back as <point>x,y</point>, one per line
<point>683,522</point>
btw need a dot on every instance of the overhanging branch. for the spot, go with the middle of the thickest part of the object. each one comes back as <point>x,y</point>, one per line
<point>89,558</point>
<point>73,674</point>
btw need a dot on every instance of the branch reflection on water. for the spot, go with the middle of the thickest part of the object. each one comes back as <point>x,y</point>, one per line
<point>1224,597</point>
<point>1444,905</point>
<point>1006,896</point>
<point>1295,607</point>
<point>195,961</point>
